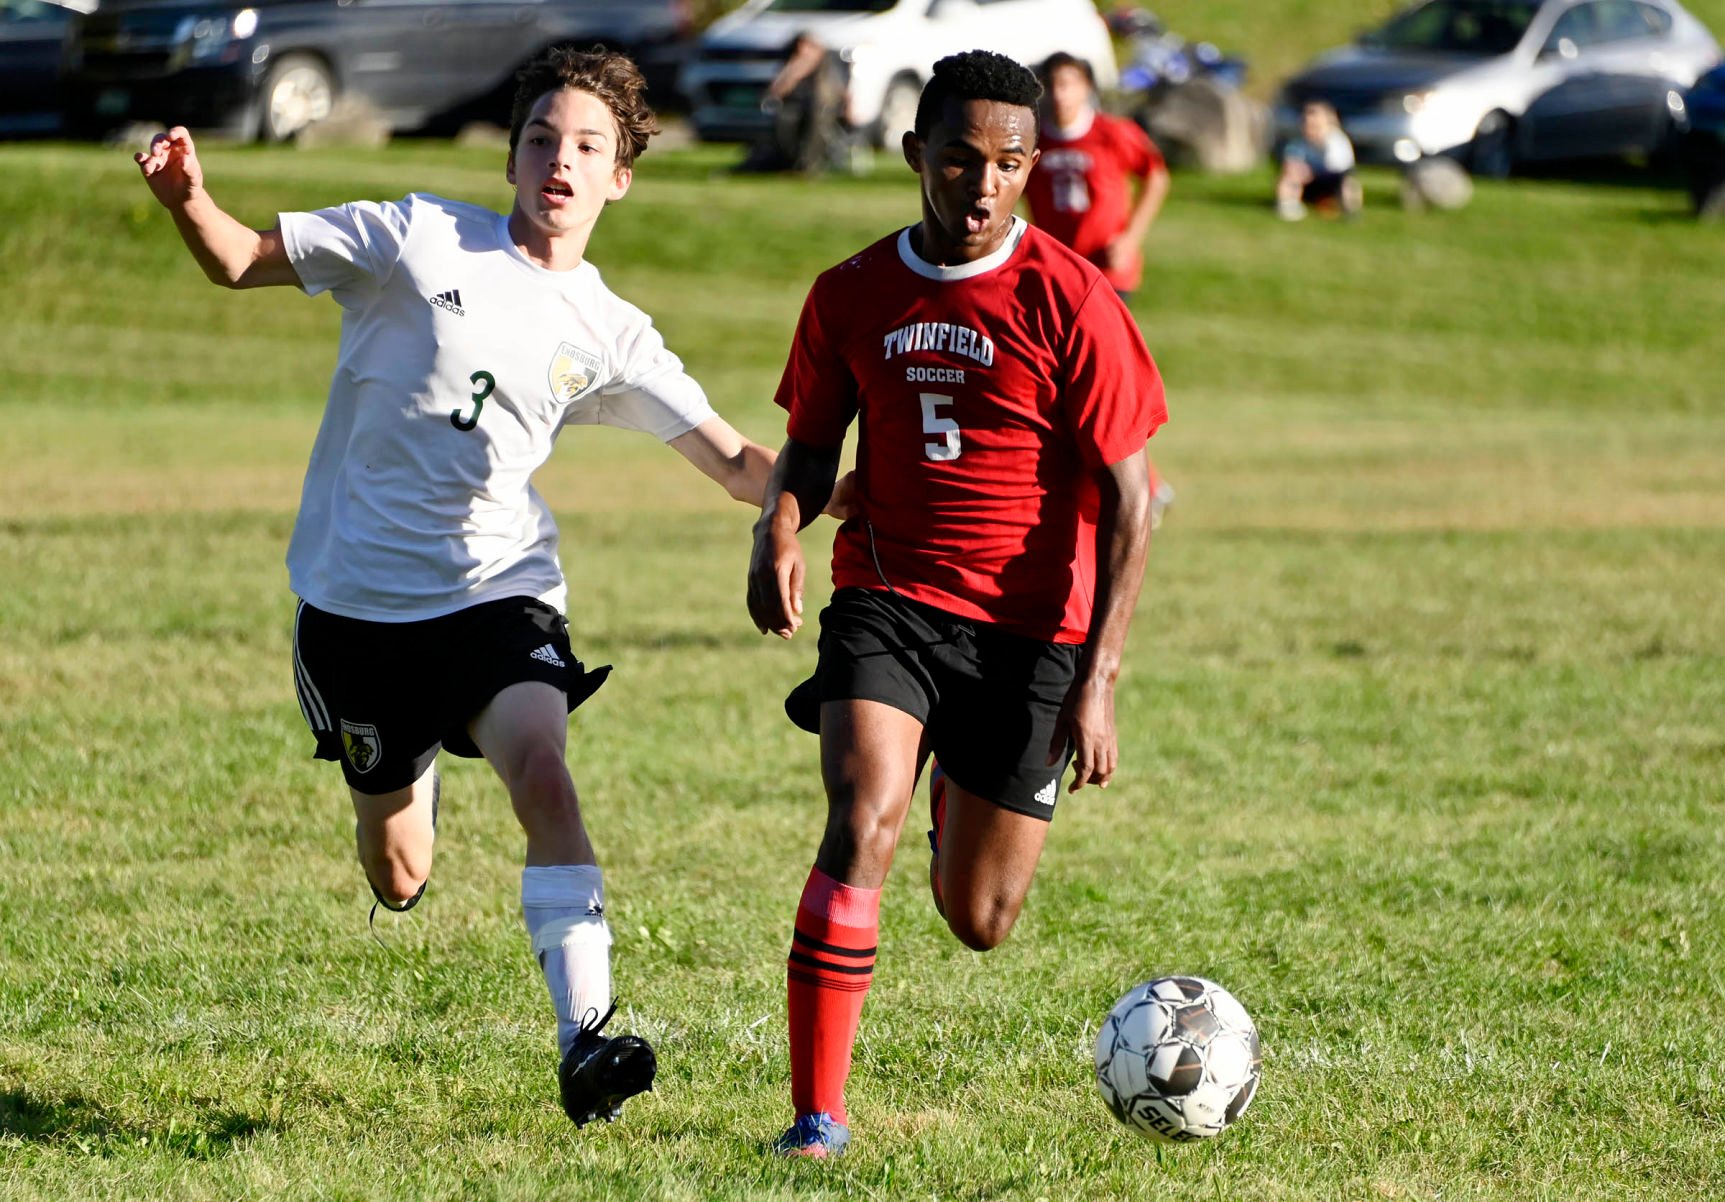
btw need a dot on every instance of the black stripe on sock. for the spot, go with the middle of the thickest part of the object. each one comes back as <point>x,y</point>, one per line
<point>809,941</point>
<point>797,957</point>
<point>814,982</point>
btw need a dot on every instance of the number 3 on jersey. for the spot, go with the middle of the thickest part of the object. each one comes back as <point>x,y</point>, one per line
<point>950,446</point>
<point>483,384</point>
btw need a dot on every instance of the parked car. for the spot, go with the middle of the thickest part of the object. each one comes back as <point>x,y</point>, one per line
<point>1501,82</point>
<point>890,46</point>
<point>267,68</point>
<point>32,47</point>
<point>1704,142</point>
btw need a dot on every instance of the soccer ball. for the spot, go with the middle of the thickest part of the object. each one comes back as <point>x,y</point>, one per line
<point>1177,1059</point>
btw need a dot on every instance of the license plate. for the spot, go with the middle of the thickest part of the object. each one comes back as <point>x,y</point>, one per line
<point>113,102</point>
<point>741,98</point>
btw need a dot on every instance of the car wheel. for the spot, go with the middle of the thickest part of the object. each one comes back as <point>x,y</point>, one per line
<point>897,111</point>
<point>1492,152</point>
<point>1705,155</point>
<point>298,92</point>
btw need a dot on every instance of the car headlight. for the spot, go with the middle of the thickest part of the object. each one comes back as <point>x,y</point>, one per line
<point>206,38</point>
<point>1411,103</point>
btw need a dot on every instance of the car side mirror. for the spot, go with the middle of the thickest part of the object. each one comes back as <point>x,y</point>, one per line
<point>1564,48</point>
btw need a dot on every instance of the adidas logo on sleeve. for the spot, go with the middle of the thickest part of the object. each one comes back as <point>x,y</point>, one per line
<point>450,300</point>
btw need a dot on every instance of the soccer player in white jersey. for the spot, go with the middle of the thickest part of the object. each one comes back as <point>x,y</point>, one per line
<point>431,595</point>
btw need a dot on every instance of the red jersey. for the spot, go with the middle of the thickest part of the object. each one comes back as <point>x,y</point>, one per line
<point>988,396</point>
<point>1078,190</point>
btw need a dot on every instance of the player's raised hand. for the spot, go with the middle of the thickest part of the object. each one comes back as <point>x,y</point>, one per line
<point>1087,722</point>
<point>776,581</point>
<point>170,166</point>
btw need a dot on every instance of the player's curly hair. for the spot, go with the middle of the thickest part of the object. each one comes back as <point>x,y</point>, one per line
<point>975,75</point>
<point>610,76</point>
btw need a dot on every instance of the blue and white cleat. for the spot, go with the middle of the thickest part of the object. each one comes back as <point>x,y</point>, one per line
<point>815,1136</point>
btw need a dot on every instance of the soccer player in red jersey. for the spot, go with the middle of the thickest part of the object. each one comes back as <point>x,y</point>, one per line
<point>1080,191</point>
<point>984,588</point>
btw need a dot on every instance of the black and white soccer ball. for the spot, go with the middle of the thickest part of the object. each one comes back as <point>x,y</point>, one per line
<point>1177,1059</point>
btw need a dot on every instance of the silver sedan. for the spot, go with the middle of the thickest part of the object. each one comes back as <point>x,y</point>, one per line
<point>1500,82</point>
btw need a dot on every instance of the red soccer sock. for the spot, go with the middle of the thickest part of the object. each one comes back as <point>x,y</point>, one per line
<point>828,975</point>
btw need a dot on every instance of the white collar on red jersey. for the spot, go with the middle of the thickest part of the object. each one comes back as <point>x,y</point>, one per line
<point>963,271</point>
<point>1080,127</point>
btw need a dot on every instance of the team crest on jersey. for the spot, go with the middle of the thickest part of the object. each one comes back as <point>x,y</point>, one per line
<point>362,744</point>
<point>573,372</point>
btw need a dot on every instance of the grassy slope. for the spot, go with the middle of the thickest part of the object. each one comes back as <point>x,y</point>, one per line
<point>1420,733</point>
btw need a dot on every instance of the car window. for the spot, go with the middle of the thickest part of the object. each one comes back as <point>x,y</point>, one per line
<point>1582,26</point>
<point>830,6</point>
<point>30,12</point>
<point>1478,27</point>
<point>1642,20</point>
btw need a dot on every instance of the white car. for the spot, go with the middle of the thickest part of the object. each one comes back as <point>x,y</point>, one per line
<point>1496,83</point>
<point>890,46</point>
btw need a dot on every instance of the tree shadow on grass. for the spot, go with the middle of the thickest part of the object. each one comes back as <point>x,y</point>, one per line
<point>73,1120</point>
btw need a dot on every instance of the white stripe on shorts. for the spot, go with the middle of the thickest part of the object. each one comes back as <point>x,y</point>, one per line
<point>311,705</point>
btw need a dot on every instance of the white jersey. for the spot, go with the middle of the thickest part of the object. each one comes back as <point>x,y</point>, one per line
<point>460,362</point>
<point>1334,155</point>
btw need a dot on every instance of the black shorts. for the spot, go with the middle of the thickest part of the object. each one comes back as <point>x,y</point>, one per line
<point>383,697</point>
<point>1325,185</point>
<point>990,699</point>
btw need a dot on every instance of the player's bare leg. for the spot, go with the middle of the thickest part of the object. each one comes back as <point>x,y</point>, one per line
<point>523,733</point>
<point>395,832</point>
<point>870,753</point>
<point>987,859</point>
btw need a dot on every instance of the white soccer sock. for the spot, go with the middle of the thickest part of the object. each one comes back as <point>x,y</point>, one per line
<point>564,907</point>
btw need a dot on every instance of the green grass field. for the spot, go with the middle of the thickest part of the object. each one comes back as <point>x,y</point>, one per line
<point>1422,744</point>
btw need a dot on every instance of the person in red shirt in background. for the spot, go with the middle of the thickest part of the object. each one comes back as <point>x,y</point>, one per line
<point>1002,396</point>
<point>1080,189</point>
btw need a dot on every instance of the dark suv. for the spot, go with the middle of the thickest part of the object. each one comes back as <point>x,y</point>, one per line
<point>266,69</point>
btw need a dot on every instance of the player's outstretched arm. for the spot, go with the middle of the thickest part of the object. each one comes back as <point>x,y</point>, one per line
<point>231,254</point>
<point>743,467</point>
<point>724,456</point>
<point>800,485</point>
<point>1122,542</point>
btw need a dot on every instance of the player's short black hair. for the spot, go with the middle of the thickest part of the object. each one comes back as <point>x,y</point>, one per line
<point>975,75</point>
<point>1054,62</point>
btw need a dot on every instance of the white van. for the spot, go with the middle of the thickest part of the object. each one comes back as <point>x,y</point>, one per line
<point>890,45</point>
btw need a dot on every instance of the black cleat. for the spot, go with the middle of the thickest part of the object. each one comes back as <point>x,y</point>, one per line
<point>599,1074</point>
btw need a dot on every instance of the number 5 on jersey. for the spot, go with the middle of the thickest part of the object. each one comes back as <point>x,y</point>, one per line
<point>950,446</point>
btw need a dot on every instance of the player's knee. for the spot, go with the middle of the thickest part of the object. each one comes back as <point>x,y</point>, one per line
<point>861,833</point>
<point>396,875</point>
<point>981,926</point>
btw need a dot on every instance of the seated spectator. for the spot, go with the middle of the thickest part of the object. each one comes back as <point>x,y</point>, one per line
<point>1318,167</point>
<point>807,101</point>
